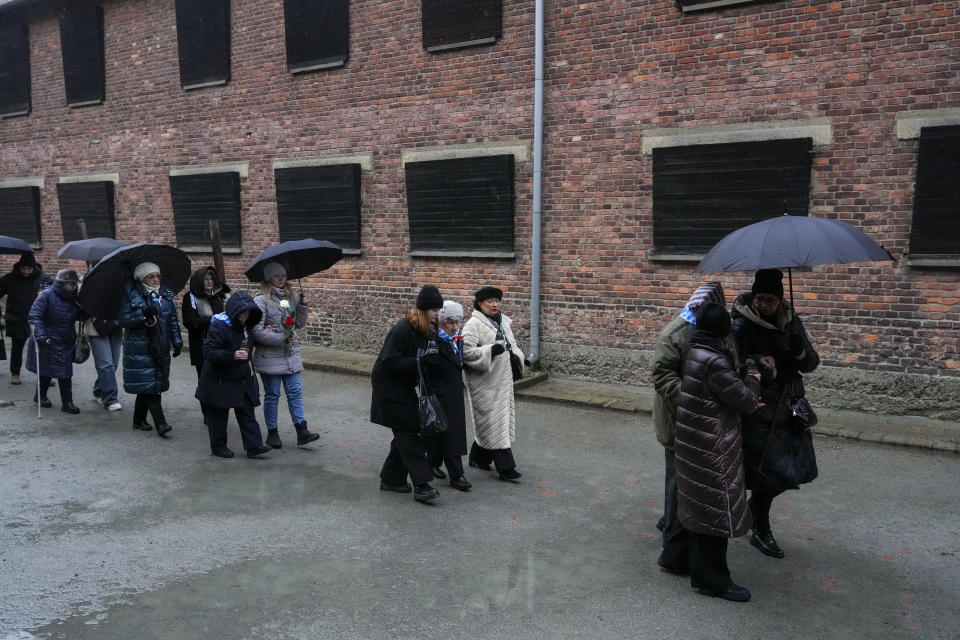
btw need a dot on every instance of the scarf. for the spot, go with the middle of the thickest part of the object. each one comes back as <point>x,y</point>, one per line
<point>455,341</point>
<point>707,292</point>
<point>202,305</point>
<point>280,293</point>
<point>151,290</point>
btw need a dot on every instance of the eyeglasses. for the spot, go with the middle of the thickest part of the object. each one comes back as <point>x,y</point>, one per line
<point>766,299</point>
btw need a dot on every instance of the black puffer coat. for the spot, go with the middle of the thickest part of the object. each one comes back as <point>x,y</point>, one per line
<point>142,371</point>
<point>789,459</point>
<point>196,323</point>
<point>394,377</point>
<point>707,443</point>
<point>224,381</point>
<point>20,293</point>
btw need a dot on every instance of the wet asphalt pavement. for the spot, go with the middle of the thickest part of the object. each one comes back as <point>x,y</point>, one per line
<point>111,533</point>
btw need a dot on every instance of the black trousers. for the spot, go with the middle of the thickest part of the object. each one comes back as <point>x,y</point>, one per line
<point>148,402</point>
<point>203,407</point>
<point>708,563</point>
<point>435,449</point>
<point>760,503</point>
<point>246,419</point>
<point>16,355</point>
<point>408,456</point>
<point>676,540</point>
<point>502,459</point>
<point>64,384</point>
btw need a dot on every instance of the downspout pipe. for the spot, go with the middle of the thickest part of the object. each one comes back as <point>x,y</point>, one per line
<point>535,249</point>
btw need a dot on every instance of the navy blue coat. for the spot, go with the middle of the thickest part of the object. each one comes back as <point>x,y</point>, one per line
<point>224,381</point>
<point>141,372</point>
<point>53,317</point>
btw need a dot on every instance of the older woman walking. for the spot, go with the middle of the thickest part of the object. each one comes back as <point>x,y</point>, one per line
<point>53,316</point>
<point>149,319</point>
<point>487,336</point>
<point>277,354</point>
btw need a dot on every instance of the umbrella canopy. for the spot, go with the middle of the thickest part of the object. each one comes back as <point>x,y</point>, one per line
<point>300,258</point>
<point>14,245</point>
<point>90,250</point>
<point>104,285</point>
<point>791,241</point>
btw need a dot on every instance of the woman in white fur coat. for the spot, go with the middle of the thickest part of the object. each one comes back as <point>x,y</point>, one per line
<point>488,345</point>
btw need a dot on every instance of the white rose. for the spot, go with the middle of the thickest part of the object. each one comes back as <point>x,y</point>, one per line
<point>284,304</point>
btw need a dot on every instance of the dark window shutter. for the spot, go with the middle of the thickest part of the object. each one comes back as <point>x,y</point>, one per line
<point>20,213</point>
<point>461,205</point>
<point>198,199</point>
<point>448,24</point>
<point>320,202</point>
<point>692,5</point>
<point>317,33</point>
<point>81,41</point>
<point>936,200</point>
<point>703,192</point>
<point>14,70</point>
<point>91,202</point>
<point>203,41</point>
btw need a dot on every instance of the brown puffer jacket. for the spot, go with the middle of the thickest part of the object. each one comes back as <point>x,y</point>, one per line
<point>708,446</point>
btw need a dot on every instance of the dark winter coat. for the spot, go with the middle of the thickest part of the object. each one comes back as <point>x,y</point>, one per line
<point>224,381</point>
<point>53,317</point>
<point>142,371</point>
<point>668,356</point>
<point>789,459</point>
<point>197,325</point>
<point>445,379</point>
<point>394,378</point>
<point>707,443</point>
<point>21,293</point>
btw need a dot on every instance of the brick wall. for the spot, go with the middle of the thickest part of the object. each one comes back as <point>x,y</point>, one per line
<point>613,69</point>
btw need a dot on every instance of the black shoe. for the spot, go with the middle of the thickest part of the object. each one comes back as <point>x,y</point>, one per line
<point>766,544</point>
<point>163,429</point>
<point>677,571</point>
<point>425,493</point>
<point>438,473</point>
<point>479,465</point>
<point>398,488</point>
<point>143,425</point>
<point>222,452</point>
<point>273,439</point>
<point>510,475</point>
<point>304,436</point>
<point>69,407</point>
<point>460,484</point>
<point>44,402</point>
<point>734,593</point>
<point>256,451</point>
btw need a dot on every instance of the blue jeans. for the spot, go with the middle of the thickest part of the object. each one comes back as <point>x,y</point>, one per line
<point>293,387</point>
<point>106,357</point>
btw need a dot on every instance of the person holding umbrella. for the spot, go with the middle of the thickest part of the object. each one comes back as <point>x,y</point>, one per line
<point>778,456</point>
<point>20,286</point>
<point>50,349</point>
<point>151,328</point>
<point>277,354</point>
<point>204,300</point>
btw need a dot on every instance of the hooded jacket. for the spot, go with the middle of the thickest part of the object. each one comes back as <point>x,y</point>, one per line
<point>142,373</point>
<point>53,316</point>
<point>20,293</point>
<point>196,322</point>
<point>224,381</point>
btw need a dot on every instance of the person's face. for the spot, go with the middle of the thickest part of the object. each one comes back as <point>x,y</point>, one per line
<point>450,325</point>
<point>243,316</point>
<point>432,315</point>
<point>279,280</point>
<point>208,281</point>
<point>766,304</point>
<point>26,272</point>
<point>69,287</point>
<point>490,306</point>
<point>152,280</point>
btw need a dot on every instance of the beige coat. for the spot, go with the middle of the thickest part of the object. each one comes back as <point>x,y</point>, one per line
<point>489,382</point>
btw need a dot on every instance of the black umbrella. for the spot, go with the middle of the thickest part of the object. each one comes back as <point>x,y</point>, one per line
<point>14,245</point>
<point>90,250</point>
<point>791,241</point>
<point>104,285</point>
<point>300,258</point>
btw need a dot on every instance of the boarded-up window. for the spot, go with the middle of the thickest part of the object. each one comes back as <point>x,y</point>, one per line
<point>14,70</point>
<point>698,5</point>
<point>203,42</point>
<point>89,202</point>
<point>449,24</point>
<point>936,200</point>
<point>81,41</point>
<point>465,204</point>
<point>317,33</point>
<point>198,199</point>
<point>20,213</point>
<point>320,202</point>
<point>703,192</point>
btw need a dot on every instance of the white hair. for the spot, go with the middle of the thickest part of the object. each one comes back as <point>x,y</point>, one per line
<point>451,310</point>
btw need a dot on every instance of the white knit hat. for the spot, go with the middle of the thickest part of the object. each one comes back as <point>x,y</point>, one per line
<point>144,269</point>
<point>450,310</point>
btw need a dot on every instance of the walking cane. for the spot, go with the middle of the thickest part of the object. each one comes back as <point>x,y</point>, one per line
<point>36,347</point>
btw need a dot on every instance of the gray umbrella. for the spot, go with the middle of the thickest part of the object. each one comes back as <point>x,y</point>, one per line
<point>90,250</point>
<point>14,245</point>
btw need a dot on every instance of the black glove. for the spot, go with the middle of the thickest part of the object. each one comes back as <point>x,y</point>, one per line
<point>149,313</point>
<point>104,327</point>
<point>751,365</point>
<point>177,348</point>
<point>497,349</point>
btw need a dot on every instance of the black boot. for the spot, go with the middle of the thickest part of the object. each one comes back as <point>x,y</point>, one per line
<point>273,439</point>
<point>163,429</point>
<point>69,407</point>
<point>44,401</point>
<point>304,436</point>
<point>142,425</point>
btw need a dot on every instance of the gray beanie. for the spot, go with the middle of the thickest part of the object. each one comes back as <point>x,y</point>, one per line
<point>67,275</point>
<point>272,269</point>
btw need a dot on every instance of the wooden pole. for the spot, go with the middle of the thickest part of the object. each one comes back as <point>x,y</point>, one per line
<point>217,251</point>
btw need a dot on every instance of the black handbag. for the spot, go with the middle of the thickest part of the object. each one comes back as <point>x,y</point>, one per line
<point>81,348</point>
<point>433,419</point>
<point>516,366</point>
<point>802,415</point>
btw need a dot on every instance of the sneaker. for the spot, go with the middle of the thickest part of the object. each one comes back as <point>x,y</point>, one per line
<point>114,406</point>
<point>98,399</point>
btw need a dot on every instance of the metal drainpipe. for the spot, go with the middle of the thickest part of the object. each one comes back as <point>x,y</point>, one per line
<point>534,356</point>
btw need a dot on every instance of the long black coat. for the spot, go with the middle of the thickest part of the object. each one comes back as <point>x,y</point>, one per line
<point>394,378</point>
<point>224,381</point>
<point>197,325</point>
<point>789,460</point>
<point>20,293</point>
<point>53,315</point>
<point>446,381</point>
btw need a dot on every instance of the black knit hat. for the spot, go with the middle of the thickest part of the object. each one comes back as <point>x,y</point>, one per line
<point>67,275</point>
<point>713,318</point>
<point>768,281</point>
<point>429,298</point>
<point>485,293</point>
<point>26,260</point>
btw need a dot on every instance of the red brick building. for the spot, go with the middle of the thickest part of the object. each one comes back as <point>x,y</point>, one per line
<point>392,110</point>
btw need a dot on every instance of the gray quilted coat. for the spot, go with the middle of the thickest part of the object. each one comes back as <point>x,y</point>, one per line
<point>273,355</point>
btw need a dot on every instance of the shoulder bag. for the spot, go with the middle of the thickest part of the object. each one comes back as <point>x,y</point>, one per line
<point>81,348</point>
<point>433,419</point>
